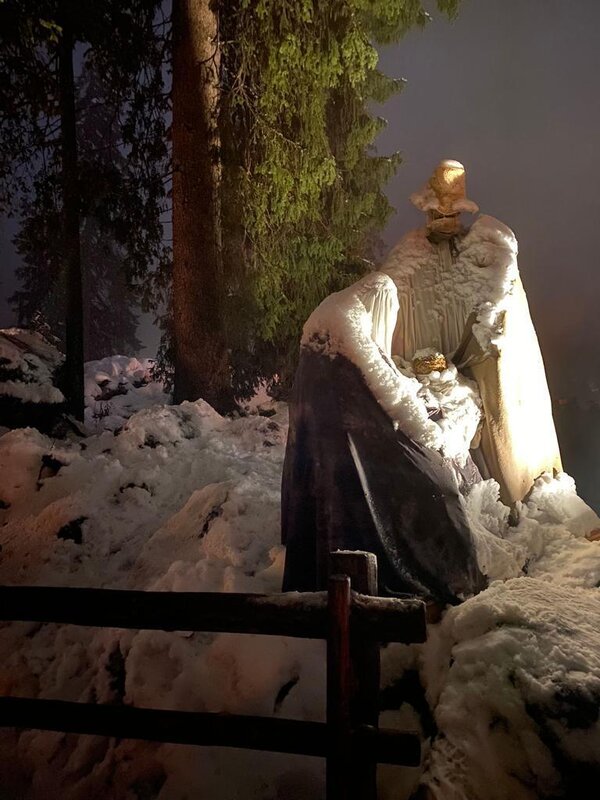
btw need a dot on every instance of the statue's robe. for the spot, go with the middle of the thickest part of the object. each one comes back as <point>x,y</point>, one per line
<point>361,468</point>
<point>351,481</point>
<point>465,297</point>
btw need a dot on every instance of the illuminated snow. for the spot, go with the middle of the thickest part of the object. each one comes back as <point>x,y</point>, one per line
<point>183,499</point>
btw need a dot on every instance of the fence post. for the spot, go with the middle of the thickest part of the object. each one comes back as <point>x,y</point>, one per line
<point>339,689</point>
<point>361,567</point>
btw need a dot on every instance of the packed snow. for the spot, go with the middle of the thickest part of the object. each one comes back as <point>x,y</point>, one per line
<point>179,498</point>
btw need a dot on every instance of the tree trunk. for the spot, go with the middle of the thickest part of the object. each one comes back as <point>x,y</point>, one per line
<point>73,379</point>
<point>201,360</point>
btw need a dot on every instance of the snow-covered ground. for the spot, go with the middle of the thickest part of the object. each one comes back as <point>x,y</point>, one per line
<point>513,675</point>
<point>27,366</point>
<point>115,388</point>
<point>179,498</point>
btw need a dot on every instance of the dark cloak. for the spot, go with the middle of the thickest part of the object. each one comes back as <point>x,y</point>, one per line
<point>353,482</point>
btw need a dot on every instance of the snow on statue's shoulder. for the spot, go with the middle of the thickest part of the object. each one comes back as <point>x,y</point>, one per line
<point>357,323</point>
<point>489,272</point>
<point>490,229</point>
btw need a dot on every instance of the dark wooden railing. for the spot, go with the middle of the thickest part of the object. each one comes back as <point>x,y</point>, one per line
<point>349,616</point>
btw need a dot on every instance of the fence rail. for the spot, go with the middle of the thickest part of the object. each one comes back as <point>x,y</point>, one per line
<point>301,615</point>
<point>352,622</point>
<point>204,728</point>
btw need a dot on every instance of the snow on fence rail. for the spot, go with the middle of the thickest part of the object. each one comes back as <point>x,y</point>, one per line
<point>353,624</point>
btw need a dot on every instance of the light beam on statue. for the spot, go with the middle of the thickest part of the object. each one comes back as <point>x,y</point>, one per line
<point>414,384</point>
<point>460,292</point>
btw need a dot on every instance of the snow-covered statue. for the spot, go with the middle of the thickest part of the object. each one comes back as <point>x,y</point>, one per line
<point>460,293</point>
<point>404,377</point>
<point>363,467</point>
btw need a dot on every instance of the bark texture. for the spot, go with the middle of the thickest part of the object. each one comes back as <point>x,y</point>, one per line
<point>201,362</point>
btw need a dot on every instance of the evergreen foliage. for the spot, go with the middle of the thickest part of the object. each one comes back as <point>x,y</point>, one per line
<point>302,197</point>
<point>122,161</point>
<point>110,321</point>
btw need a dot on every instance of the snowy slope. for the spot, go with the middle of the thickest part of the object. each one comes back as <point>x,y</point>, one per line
<point>183,499</point>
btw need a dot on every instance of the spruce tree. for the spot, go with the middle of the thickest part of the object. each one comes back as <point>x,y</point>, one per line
<point>42,169</point>
<point>109,318</point>
<point>200,357</point>
<point>300,188</point>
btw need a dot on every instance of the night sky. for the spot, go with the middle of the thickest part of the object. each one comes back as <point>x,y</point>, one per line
<point>512,90</point>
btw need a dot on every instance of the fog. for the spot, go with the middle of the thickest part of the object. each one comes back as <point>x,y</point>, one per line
<point>510,89</point>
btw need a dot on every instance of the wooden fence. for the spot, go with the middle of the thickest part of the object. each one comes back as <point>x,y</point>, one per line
<point>348,616</point>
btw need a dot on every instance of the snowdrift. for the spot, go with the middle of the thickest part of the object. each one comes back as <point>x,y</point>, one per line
<point>29,377</point>
<point>179,498</point>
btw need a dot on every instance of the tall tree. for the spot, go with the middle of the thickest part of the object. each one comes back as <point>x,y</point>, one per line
<point>73,375</point>
<point>300,167</point>
<point>300,188</point>
<point>200,355</point>
<point>109,318</point>
<point>40,166</point>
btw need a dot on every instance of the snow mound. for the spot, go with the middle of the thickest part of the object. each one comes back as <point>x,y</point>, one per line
<point>518,699</point>
<point>180,499</point>
<point>117,387</point>
<point>126,486</point>
<point>28,366</point>
<point>114,387</point>
<point>513,674</point>
<point>549,539</point>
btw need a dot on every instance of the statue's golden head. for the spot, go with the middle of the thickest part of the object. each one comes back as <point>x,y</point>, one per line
<point>449,185</point>
<point>444,197</point>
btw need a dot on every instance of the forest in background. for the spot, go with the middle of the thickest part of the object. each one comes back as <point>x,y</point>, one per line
<point>144,119</point>
<point>286,171</point>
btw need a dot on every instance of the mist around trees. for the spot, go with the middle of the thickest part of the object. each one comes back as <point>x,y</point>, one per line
<point>83,168</point>
<point>245,128</point>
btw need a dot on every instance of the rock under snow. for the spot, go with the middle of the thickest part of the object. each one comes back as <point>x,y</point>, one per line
<point>518,697</point>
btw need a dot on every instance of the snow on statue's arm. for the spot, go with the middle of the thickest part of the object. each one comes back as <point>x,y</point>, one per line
<point>345,324</point>
<point>489,251</point>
